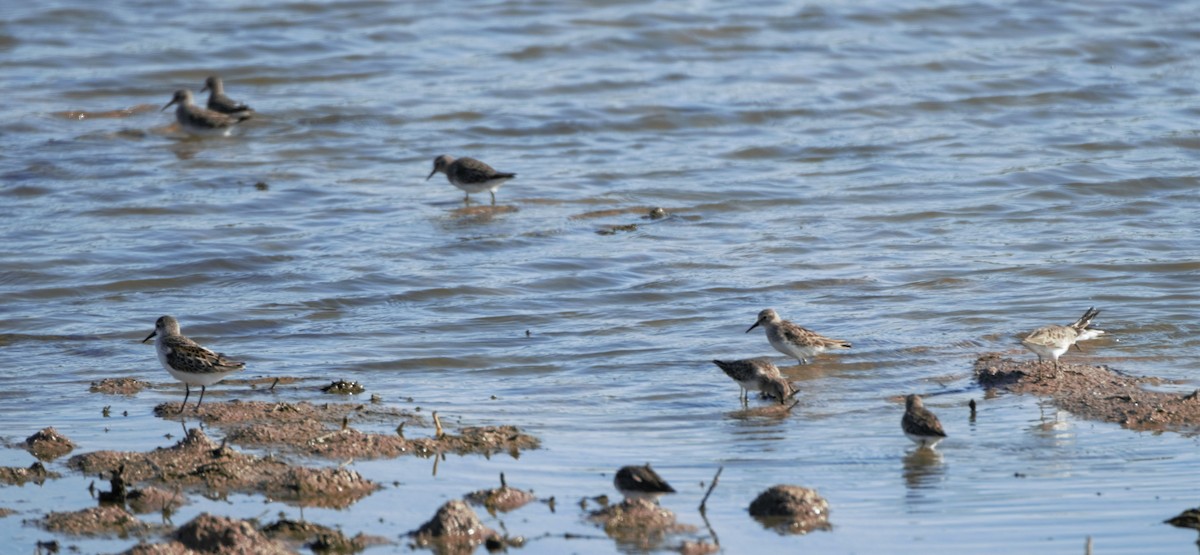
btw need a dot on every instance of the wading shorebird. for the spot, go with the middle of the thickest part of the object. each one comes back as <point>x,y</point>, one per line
<point>1050,342</point>
<point>219,102</point>
<point>201,121</point>
<point>187,361</point>
<point>470,175</point>
<point>641,482</point>
<point>919,424</point>
<point>757,374</point>
<point>795,341</point>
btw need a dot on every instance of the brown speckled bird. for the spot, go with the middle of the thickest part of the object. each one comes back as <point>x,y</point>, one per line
<point>919,424</point>
<point>795,341</point>
<point>187,361</point>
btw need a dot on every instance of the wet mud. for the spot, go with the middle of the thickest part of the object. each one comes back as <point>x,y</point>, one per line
<point>639,523</point>
<point>455,528</point>
<point>16,476</point>
<point>1094,392</point>
<point>791,509</point>
<point>47,444</point>
<point>214,534</point>
<point>324,430</point>
<point>502,499</point>
<point>119,386</point>
<point>106,520</point>
<point>196,463</point>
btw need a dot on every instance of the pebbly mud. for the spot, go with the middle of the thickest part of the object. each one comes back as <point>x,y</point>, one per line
<point>639,523</point>
<point>196,463</point>
<point>324,430</point>
<point>47,444</point>
<point>319,538</point>
<point>214,534</point>
<point>1094,392</point>
<point>151,499</point>
<point>106,520</point>
<point>502,499</point>
<point>119,386</point>
<point>17,476</point>
<point>455,528</point>
<point>791,510</point>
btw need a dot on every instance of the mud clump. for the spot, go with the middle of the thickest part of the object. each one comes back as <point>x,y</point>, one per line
<point>502,499</point>
<point>791,510</point>
<point>96,521</point>
<point>215,534</point>
<point>639,523</point>
<point>323,430</point>
<point>16,476</point>
<point>119,386</point>
<point>343,387</point>
<point>455,528</point>
<point>486,440</point>
<point>198,463</point>
<point>48,444</point>
<point>318,538</point>
<point>1093,392</point>
<point>151,499</point>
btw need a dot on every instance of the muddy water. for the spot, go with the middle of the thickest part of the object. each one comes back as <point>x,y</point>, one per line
<point>925,180</point>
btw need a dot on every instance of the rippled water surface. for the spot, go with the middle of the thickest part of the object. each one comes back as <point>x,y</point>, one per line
<point>928,180</point>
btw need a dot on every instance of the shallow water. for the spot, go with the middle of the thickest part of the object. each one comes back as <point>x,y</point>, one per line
<point>926,180</point>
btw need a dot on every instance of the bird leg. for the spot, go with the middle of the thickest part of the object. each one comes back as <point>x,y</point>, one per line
<point>188,391</point>
<point>202,389</point>
<point>493,197</point>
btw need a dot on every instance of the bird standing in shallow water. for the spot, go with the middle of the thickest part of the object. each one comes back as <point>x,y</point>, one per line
<point>219,102</point>
<point>200,121</point>
<point>921,425</point>
<point>641,482</point>
<point>795,341</point>
<point>1050,342</point>
<point>187,361</point>
<point>757,374</point>
<point>470,175</point>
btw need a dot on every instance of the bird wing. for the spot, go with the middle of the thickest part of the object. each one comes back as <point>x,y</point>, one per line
<point>803,336</point>
<point>1051,336</point>
<point>188,355</point>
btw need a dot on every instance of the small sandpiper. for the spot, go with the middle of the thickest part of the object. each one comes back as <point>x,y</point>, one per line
<point>470,175</point>
<point>1050,342</point>
<point>919,424</point>
<point>757,374</point>
<point>200,121</point>
<point>793,340</point>
<point>187,361</point>
<point>219,102</point>
<point>641,482</point>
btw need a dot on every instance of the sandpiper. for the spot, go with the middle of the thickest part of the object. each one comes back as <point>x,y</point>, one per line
<point>219,102</point>
<point>793,340</point>
<point>641,482</point>
<point>201,121</point>
<point>470,175</point>
<point>757,374</point>
<point>187,361</point>
<point>1052,341</point>
<point>919,424</point>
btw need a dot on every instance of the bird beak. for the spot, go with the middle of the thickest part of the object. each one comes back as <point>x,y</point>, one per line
<point>204,89</point>
<point>152,334</point>
<point>431,174</point>
<point>1077,347</point>
<point>173,100</point>
<point>752,327</point>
